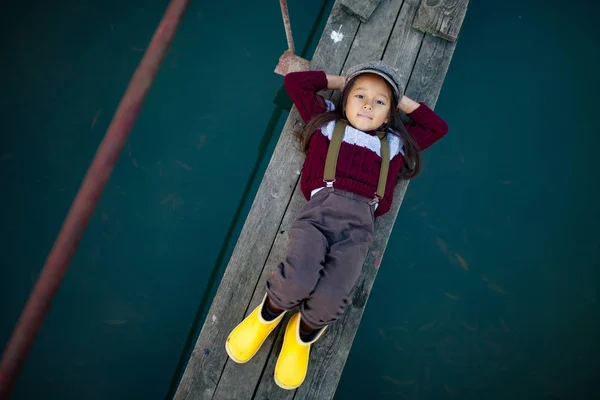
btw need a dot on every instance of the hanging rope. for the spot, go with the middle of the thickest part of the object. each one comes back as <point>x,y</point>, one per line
<point>84,204</point>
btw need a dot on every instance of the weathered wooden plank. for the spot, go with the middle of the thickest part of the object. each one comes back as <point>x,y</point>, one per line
<point>403,47</point>
<point>237,285</point>
<point>338,35</point>
<point>229,386</point>
<point>267,389</point>
<point>373,36</point>
<point>443,18</point>
<point>362,9</point>
<point>231,302</point>
<point>430,69</point>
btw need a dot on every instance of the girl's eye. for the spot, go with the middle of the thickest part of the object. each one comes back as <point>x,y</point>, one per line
<point>380,102</point>
<point>360,96</point>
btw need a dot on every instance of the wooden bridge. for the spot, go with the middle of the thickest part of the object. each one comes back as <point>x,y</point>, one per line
<point>417,38</point>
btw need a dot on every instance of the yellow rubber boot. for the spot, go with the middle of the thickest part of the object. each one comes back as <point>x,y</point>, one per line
<point>246,338</point>
<point>292,362</point>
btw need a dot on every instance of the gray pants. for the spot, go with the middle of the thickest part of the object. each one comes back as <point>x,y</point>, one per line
<point>328,244</point>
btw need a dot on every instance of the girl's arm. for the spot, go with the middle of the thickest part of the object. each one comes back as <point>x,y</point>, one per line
<point>407,105</point>
<point>303,88</point>
<point>426,127</point>
<point>335,82</point>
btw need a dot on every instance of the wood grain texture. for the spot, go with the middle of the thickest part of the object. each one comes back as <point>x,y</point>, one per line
<point>362,9</point>
<point>443,18</point>
<point>373,36</point>
<point>405,42</point>
<point>337,38</point>
<point>430,69</point>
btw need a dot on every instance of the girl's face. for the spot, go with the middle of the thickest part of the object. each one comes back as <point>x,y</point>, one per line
<point>368,103</point>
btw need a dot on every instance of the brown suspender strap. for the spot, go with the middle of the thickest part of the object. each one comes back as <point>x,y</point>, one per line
<point>385,163</point>
<point>334,150</point>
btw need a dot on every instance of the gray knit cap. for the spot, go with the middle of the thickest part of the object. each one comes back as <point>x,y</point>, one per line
<point>382,69</point>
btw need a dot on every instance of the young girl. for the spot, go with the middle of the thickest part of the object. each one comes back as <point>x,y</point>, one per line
<point>328,242</point>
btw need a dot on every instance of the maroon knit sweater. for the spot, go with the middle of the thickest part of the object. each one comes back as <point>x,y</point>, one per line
<point>358,163</point>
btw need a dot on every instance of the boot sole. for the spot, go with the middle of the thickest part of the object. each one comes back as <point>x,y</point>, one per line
<point>286,387</point>
<point>237,360</point>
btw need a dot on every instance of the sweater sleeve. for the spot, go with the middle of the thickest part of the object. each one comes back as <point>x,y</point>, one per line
<point>426,126</point>
<point>303,88</point>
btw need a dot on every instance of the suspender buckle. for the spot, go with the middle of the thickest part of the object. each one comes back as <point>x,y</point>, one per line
<point>329,184</point>
<point>374,200</point>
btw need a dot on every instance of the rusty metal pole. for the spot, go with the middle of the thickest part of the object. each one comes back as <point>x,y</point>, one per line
<point>83,206</point>
<point>287,25</point>
<point>288,61</point>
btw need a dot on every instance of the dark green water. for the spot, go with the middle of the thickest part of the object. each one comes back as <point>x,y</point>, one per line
<point>512,190</point>
<point>120,322</point>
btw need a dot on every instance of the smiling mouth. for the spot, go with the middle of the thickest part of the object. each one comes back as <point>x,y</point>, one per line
<point>365,116</point>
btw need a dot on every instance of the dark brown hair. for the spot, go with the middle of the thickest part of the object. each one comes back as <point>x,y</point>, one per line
<point>412,157</point>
